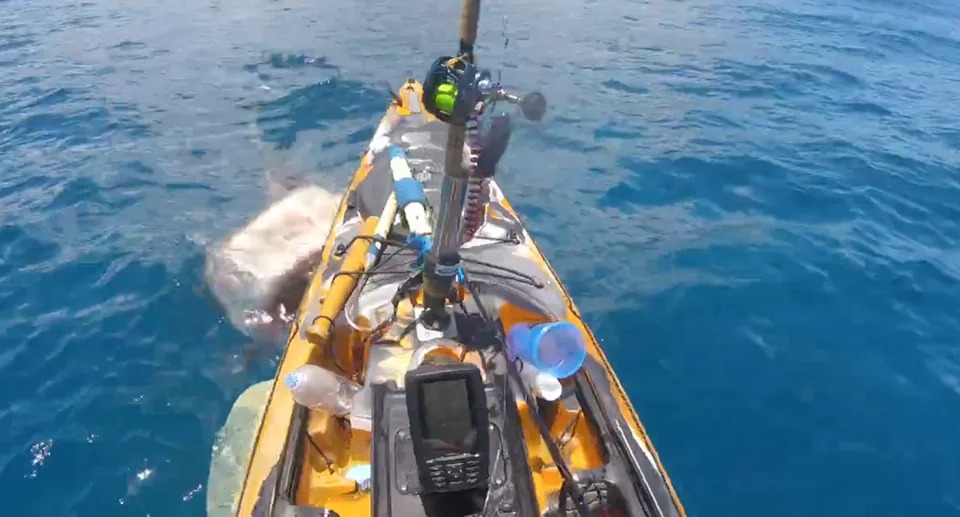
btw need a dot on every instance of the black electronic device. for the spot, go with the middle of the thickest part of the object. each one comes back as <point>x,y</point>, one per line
<point>449,426</point>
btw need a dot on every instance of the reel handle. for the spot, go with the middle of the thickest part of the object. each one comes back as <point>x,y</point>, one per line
<point>533,105</point>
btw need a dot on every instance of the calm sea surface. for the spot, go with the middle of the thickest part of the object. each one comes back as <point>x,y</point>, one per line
<point>756,205</point>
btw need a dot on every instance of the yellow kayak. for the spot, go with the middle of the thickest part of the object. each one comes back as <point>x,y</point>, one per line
<point>471,384</point>
<point>302,459</point>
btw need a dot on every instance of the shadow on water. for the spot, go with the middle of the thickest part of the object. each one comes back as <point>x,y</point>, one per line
<point>315,107</point>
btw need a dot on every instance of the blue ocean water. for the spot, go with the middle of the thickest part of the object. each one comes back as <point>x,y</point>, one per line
<point>755,205</point>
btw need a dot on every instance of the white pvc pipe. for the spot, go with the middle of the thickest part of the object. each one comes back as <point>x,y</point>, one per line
<point>415,212</point>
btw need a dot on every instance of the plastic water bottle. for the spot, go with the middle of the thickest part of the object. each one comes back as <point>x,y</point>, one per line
<point>318,388</point>
<point>554,348</point>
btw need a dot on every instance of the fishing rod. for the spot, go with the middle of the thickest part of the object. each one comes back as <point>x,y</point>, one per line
<point>455,92</point>
<point>443,261</point>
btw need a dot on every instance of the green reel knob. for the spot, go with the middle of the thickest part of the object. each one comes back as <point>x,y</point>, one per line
<point>446,98</point>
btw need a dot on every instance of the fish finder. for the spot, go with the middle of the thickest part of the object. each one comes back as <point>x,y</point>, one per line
<point>449,426</point>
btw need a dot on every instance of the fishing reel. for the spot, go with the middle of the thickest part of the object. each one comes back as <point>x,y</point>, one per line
<point>454,86</point>
<point>450,90</point>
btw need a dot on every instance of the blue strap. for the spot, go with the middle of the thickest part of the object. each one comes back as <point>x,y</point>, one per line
<point>422,244</point>
<point>408,191</point>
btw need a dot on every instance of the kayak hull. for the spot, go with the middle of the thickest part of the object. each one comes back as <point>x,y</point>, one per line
<point>602,433</point>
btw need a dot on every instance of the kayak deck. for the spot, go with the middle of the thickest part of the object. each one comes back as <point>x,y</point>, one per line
<point>309,458</point>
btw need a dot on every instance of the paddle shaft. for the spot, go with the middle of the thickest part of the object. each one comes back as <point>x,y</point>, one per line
<point>353,265</point>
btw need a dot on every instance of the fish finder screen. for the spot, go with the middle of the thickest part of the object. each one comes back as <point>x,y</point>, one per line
<point>447,421</point>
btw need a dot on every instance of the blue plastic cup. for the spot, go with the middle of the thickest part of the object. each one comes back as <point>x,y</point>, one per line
<point>556,348</point>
